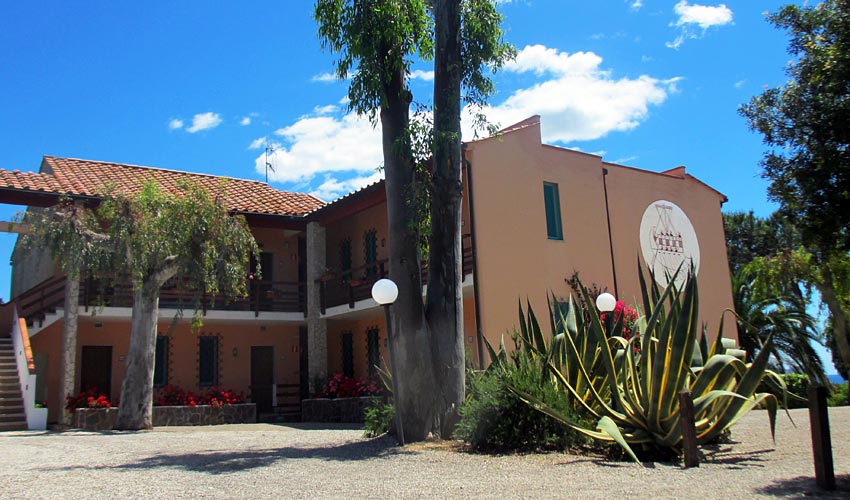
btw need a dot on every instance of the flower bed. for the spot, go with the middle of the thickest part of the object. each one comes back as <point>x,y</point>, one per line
<point>102,419</point>
<point>341,400</point>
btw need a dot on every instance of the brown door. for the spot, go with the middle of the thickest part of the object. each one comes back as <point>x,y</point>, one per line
<point>96,369</point>
<point>262,377</point>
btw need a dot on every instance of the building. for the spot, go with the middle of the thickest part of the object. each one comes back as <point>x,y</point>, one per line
<point>533,215</point>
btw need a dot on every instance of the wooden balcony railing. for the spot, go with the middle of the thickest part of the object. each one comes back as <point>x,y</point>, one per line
<point>355,284</point>
<point>264,296</point>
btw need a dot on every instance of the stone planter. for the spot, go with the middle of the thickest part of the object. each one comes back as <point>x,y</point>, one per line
<point>338,410</point>
<point>103,419</point>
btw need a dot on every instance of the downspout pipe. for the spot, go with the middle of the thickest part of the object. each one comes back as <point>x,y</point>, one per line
<point>610,236</point>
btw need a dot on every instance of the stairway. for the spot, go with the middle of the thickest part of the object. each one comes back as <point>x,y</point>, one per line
<point>12,416</point>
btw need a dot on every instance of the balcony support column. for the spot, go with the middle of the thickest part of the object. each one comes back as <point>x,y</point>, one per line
<point>317,327</point>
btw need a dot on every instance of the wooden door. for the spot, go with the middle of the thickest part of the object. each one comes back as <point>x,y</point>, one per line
<point>96,369</point>
<point>262,377</point>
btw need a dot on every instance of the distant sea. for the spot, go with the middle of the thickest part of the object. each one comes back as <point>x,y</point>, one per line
<point>836,378</point>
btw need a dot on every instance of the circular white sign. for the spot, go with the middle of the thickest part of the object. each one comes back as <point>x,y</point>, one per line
<point>668,240</point>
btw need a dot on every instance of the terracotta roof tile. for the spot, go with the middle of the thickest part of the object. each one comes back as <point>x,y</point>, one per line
<point>87,178</point>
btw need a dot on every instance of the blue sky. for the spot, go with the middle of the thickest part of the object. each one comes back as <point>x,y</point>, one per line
<point>204,86</point>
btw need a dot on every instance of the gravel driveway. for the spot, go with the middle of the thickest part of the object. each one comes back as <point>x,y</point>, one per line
<point>275,461</point>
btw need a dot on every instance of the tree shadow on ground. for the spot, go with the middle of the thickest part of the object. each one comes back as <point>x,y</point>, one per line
<point>223,462</point>
<point>733,459</point>
<point>806,487</point>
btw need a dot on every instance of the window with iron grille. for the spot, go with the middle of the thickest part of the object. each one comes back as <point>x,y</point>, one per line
<point>370,251</point>
<point>207,361</point>
<point>373,351</point>
<point>348,354</point>
<point>345,255</point>
<point>160,364</point>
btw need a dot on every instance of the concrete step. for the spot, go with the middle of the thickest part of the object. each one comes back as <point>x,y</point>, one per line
<point>5,410</point>
<point>6,402</point>
<point>13,417</point>
<point>13,426</point>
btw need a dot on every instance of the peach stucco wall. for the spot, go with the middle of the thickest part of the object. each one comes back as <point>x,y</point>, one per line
<point>355,226</point>
<point>358,328</point>
<point>517,261</point>
<point>235,341</point>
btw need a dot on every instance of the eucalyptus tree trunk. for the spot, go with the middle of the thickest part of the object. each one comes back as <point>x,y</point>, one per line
<point>69,336</point>
<point>838,315</point>
<point>411,343</point>
<point>136,404</point>
<point>444,304</point>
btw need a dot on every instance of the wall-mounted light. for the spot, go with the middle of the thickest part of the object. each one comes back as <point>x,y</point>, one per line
<point>235,352</point>
<point>383,242</point>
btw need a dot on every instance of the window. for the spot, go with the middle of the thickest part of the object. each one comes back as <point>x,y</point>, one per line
<point>345,255</point>
<point>266,266</point>
<point>553,211</point>
<point>160,365</point>
<point>373,352</point>
<point>348,354</point>
<point>207,361</point>
<point>370,251</point>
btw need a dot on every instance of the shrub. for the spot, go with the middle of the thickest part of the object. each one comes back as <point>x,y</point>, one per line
<point>839,395</point>
<point>631,385</point>
<point>378,419</point>
<point>494,419</point>
<point>90,398</point>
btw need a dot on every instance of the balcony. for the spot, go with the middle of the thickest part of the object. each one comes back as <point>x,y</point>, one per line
<point>355,284</point>
<point>264,296</point>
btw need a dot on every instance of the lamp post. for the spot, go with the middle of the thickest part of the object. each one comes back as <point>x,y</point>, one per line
<point>385,291</point>
<point>606,303</point>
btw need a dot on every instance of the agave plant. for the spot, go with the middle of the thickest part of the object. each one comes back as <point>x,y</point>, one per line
<point>631,386</point>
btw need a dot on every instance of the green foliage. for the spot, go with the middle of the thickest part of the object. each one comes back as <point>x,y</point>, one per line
<point>634,393</point>
<point>783,319</point>
<point>805,123</point>
<point>494,419</point>
<point>378,418</point>
<point>839,395</point>
<point>152,235</point>
<point>796,387</point>
<point>375,40</point>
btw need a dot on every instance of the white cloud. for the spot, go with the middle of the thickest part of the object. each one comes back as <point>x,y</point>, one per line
<point>316,145</point>
<point>246,120</point>
<point>332,188</point>
<point>325,78</point>
<point>740,83</point>
<point>418,74</point>
<point>175,124</point>
<point>325,110</point>
<point>636,5</point>
<point>703,16</point>
<point>577,100</point>
<point>204,121</point>
<point>258,142</point>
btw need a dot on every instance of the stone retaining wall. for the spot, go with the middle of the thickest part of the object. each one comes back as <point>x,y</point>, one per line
<point>342,410</point>
<point>102,419</point>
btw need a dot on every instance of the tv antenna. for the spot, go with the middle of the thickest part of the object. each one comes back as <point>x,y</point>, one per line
<point>269,150</point>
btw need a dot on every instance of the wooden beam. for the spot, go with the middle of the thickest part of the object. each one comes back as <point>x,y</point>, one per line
<point>14,227</point>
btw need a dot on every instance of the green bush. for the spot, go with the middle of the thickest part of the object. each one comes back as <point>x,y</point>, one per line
<point>494,419</point>
<point>378,418</point>
<point>839,395</point>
